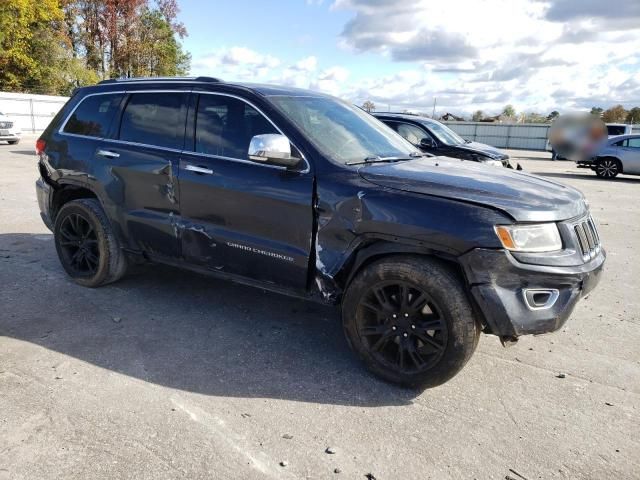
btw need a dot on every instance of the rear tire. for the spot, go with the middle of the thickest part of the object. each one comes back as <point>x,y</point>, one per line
<point>608,168</point>
<point>88,249</point>
<point>410,321</point>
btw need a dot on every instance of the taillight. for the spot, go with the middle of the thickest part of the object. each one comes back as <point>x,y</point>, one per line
<point>40,146</point>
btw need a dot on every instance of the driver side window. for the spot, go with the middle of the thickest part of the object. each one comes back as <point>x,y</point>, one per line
<point>411,133</point>
<point>225,126</point>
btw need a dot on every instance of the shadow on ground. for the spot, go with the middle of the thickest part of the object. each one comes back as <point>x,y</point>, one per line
<point>185,331</point>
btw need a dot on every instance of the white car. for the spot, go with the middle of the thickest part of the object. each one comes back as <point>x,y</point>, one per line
<point>9,131</point>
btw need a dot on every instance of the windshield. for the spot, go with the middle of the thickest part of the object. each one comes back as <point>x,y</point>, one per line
<point>445,134</point>
<point>341,131</point>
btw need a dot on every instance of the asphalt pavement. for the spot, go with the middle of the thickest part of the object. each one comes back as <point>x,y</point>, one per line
<point>173,375</point>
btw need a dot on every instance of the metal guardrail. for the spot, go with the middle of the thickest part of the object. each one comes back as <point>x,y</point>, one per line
<point>525,136</point>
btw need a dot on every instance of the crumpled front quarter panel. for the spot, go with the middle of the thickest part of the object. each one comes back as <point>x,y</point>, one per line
<point>352,212</point>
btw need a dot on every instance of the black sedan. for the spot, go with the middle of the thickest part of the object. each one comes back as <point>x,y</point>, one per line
<point>433,137</point>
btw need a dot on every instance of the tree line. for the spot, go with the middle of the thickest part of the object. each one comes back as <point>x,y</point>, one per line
<point>616,114</point>
<point>53,46</point>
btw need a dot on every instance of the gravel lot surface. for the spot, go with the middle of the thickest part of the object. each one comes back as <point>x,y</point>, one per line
<point>172,375</point>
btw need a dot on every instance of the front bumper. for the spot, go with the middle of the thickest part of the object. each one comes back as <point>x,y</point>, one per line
<point>498,283</point>
<point>44,193</point>
<point>10,135</point>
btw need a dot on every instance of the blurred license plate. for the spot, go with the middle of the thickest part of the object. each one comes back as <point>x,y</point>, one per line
<point>4,132</point>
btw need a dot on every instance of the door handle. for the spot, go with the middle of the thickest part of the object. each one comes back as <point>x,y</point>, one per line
<point>107,154</point>
<point>196,169</point>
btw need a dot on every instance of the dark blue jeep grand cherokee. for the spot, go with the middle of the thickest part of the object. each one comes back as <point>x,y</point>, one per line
<point>304,194</point>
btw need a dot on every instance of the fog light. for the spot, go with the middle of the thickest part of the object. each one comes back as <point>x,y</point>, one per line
<point>540,298</point>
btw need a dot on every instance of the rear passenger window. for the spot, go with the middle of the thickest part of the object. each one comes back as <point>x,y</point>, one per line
<point>93,116</point>
<point>225,126</point>
<point>633,142</point>
<point>155,119</point>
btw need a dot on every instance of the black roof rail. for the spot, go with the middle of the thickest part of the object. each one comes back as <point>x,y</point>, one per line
<point>397,113</point>
<point>159,79</point>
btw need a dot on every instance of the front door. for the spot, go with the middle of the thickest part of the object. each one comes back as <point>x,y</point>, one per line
<point>238,216</point>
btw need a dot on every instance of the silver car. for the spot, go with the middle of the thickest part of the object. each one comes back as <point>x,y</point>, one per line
<point>615,155</point>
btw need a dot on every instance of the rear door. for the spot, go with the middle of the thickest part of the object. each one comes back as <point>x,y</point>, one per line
<point>241,217</point>
<point>74,146</point>
<point>139,169</point>
<point>629,153</point>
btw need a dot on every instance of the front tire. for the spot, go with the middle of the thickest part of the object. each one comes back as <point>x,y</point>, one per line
<point>86,244</point>
<point>410,321</point>
<point>608,168</point>
<point>13,142</point>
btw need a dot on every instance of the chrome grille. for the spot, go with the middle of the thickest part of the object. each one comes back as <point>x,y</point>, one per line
<point>6,124</point>
<point>588,238</point>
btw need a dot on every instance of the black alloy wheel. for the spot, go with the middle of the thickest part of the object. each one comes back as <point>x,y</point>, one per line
<point>409,319</point>
<point>402,327</point>
<point>607,168</point>
<point>79,245</point>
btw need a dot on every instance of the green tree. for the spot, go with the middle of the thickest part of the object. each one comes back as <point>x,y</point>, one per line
<point>477,116</point>
<point>509,111</point>
<point>615,114</point>
<point>596,111</point>
<point>552,116</point>
<point>533,117</point>
<point>634,115</point>
<point>158,52</point>
<point>31,41</point>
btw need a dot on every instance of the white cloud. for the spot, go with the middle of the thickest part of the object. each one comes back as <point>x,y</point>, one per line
<point>538,55</point>
<point>308,64</point>
<point>246,56</point>
<point>470,54</point>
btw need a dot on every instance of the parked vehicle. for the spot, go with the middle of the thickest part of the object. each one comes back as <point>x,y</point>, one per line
<point>9,131</point>
<point>620,154</point>
<point>615,129</point>
<point>436,138</point>
<point>301,193</point>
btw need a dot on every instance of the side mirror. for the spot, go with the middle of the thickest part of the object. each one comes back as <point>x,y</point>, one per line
<point>272,148</point>
<point>427,143</point>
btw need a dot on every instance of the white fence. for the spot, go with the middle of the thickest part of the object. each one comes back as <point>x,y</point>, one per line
<point>526,136</point>
<point>32,113</point>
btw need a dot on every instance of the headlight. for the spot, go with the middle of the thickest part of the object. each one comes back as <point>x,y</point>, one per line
<point>543,237</point>
<point>494,163</point>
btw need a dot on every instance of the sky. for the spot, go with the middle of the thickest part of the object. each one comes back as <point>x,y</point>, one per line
<point>467,55</point>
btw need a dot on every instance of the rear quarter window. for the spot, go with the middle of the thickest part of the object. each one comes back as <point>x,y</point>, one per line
<point>93,115</point>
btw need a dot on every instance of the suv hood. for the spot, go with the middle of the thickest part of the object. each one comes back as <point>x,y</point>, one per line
<point>475,147</point>
<point>526,198</point>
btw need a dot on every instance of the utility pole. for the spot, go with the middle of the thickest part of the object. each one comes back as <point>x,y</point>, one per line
<point>433,114</point>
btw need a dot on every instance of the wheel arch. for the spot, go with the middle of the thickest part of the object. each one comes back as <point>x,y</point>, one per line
<point>376,249</point>
<point>66,192</point>
<point>379,249</point>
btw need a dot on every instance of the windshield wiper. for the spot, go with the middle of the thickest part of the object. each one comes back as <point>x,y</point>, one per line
<point>377,159</point>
